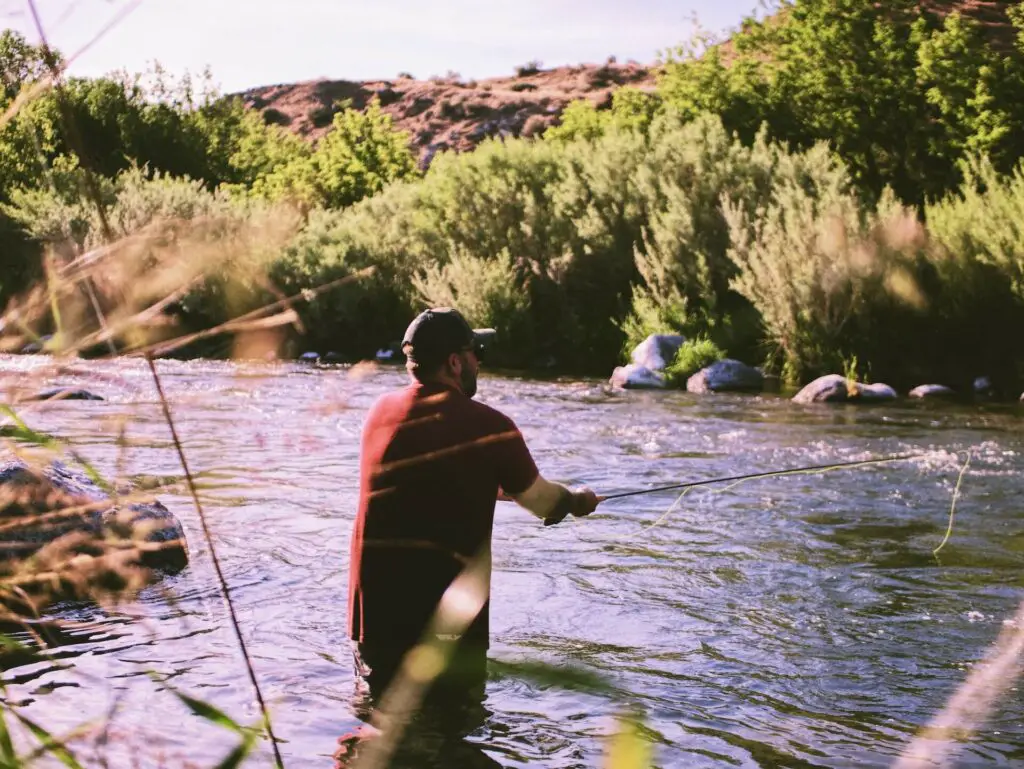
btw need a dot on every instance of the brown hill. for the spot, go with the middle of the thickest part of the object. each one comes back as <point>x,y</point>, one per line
<point>449,113</point>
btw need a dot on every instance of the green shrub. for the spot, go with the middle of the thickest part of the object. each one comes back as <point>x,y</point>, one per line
<point>489,294</point>
<point>693,355</point>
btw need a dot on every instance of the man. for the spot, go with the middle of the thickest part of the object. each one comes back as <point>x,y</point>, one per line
<point>433,463</point>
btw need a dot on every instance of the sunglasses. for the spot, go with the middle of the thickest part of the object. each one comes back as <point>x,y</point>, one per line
<point>477,349</point>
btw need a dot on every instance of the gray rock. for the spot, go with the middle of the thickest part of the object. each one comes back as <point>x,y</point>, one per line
<point>726,376</point>
<point>30,509</point>
<point>834,388</point>
<point>830,388</point>
<point>634,377</point>
<point>310,357</point>
<point>983,386</point>
<point>932,391</point>
<point>657,351</point>
<point>64,394</point>
<point>872,392</point>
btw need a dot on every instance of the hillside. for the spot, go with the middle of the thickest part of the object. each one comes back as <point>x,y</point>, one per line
<point>449,113</point>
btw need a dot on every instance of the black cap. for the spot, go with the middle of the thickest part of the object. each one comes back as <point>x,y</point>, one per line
<point>438,332</point>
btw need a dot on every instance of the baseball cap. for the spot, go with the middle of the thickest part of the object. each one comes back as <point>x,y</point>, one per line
<point>438,332</point>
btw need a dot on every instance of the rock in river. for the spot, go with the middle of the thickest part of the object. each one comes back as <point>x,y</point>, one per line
<point>825,389</point>
<point>833,388</point>
<point>634,377</point>
<point>649,359</point>
<point>726,376</point>
<point>60,522</point>
<point>932,391</point>
<point>657,351</point>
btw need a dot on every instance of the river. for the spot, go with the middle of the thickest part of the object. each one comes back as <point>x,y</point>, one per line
<point>796,621</point>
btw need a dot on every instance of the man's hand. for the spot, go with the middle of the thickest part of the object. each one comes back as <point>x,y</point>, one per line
<point>584,502</point>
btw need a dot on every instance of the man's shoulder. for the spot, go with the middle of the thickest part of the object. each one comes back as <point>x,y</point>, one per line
<point>488,415</point>
<point>390,403</point>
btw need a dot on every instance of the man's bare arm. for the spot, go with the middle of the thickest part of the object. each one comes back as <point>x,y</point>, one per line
<point>547,500</point>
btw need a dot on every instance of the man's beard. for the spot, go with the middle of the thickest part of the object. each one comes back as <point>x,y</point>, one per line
<point>468,382</point>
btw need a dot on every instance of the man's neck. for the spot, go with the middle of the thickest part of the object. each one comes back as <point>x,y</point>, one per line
<point>440,381</point>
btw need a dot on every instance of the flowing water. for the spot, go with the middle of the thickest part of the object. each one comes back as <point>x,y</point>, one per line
<point>789,622</point>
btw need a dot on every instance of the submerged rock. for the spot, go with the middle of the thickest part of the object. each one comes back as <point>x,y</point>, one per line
<point>634,377</point>
<point>657,351</point>
<point>831,388</point>
<point>932,391</point>
<point>309,357</point>
<point>726,376</point>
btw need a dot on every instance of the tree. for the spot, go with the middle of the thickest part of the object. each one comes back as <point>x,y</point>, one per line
<point>358,157</point>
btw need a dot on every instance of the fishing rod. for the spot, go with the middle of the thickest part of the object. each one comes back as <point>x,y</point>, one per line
<point>559,516</point>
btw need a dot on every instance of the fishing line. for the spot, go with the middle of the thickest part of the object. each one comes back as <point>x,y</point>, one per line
<point>770,474</point>
<point>736,480</point>
<point>952,507</point>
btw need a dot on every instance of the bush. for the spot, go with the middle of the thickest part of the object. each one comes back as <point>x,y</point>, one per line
<point>530,68</point>
<point>693,355</point>
<point>488,293</point>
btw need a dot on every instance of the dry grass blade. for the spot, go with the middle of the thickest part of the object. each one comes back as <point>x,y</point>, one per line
<point>163,348</point>
<point>972,703</point>
<point>461,603</point>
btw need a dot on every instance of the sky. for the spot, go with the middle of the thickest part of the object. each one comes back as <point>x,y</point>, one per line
<point>247,43</point>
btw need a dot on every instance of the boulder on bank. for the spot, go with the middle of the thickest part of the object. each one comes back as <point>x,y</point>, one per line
<point>833,388</point>
<point>649,359</point>
<point>726,375</point>
<point>59,523</point>
<point>390,354</point>
<point>634,377</point>
<point>657,351</point>
<point>932,391</point>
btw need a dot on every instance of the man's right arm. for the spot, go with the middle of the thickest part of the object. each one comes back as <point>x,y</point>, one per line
<point>552,501</point>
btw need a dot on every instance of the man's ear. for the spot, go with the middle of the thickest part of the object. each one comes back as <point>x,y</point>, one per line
<point>455,363</point>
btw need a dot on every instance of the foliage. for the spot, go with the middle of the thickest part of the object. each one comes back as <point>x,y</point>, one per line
<point>631,108</point>
<point>693,355</point>
<point>358,157</point>
<point>647,317</point>
<point>978,269</point>
<point>898,95</point>
<point>482,290</point>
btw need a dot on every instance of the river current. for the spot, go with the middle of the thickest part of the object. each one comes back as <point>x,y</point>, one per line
<point>797,621</point>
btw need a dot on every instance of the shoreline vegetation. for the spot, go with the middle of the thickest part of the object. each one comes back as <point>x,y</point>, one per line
<point>804,206</point>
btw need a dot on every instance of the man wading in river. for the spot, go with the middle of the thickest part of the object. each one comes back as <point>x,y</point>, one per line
<point>432,464</point>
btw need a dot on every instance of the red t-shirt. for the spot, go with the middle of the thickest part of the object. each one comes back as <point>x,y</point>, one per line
<point>431,465</point>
